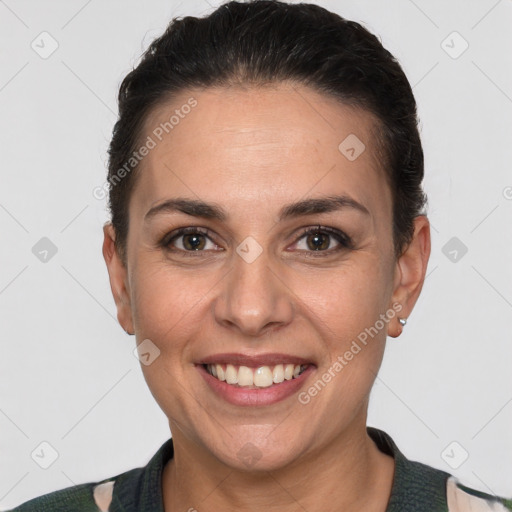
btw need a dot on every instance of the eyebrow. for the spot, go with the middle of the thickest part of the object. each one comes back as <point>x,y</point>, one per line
<point>214,211</point>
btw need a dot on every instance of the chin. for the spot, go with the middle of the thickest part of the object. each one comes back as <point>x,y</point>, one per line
<point>246,453</point>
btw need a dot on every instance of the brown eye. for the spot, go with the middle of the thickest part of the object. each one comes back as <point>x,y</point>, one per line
<point>319,239</point>
<point>190,239</point>
<point>193,242</point>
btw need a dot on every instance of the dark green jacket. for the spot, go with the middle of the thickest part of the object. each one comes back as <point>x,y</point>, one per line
<point>416,488</point>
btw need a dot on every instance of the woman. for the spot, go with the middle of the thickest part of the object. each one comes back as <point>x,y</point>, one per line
<point>268,233</point>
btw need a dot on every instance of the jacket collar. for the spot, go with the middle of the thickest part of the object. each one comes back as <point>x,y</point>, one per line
<point>416,486</point>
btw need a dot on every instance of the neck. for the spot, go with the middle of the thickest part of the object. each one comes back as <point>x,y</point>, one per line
<point>350,472</point>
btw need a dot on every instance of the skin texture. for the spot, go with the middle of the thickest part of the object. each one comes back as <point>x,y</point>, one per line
<point>252,151</point>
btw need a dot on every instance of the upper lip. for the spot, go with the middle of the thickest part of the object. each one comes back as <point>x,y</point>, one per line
<point>269,359</point>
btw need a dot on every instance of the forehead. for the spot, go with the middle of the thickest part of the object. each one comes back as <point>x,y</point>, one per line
<point>258,146</point>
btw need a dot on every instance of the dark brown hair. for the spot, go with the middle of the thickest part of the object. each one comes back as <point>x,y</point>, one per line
<point>269,41</point>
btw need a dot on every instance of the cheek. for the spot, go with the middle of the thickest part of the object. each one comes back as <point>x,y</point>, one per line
<point>348,300</point>
<point>343,310</point>
<point>166,305</point>
<point>346,308</point>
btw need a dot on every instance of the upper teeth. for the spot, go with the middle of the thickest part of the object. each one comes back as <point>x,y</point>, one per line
<point>262,377</point>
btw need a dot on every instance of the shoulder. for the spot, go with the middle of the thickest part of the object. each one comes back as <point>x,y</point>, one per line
<point>437,490</point>
<point>88,497</point>
<point>423,488</point>
<point>461,498</point>
<point>136,489</point>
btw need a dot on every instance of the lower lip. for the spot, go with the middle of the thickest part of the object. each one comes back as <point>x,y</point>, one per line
<point>253,397</point>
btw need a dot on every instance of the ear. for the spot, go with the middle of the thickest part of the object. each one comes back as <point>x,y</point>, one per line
<point>118,276</point>
<point>410,272</point>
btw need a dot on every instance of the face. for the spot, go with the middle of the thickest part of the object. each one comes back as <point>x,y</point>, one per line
<point>247,284</point>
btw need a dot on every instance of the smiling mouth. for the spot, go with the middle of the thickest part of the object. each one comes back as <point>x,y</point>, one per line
<point>259,377</point>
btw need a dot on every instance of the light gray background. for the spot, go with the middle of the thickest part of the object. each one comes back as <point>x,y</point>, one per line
<point>68,375</point>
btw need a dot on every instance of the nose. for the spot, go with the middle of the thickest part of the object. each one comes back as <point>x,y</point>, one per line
<point>254,298</point>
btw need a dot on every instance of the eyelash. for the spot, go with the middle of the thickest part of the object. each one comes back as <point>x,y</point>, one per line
<point>345,242</point>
